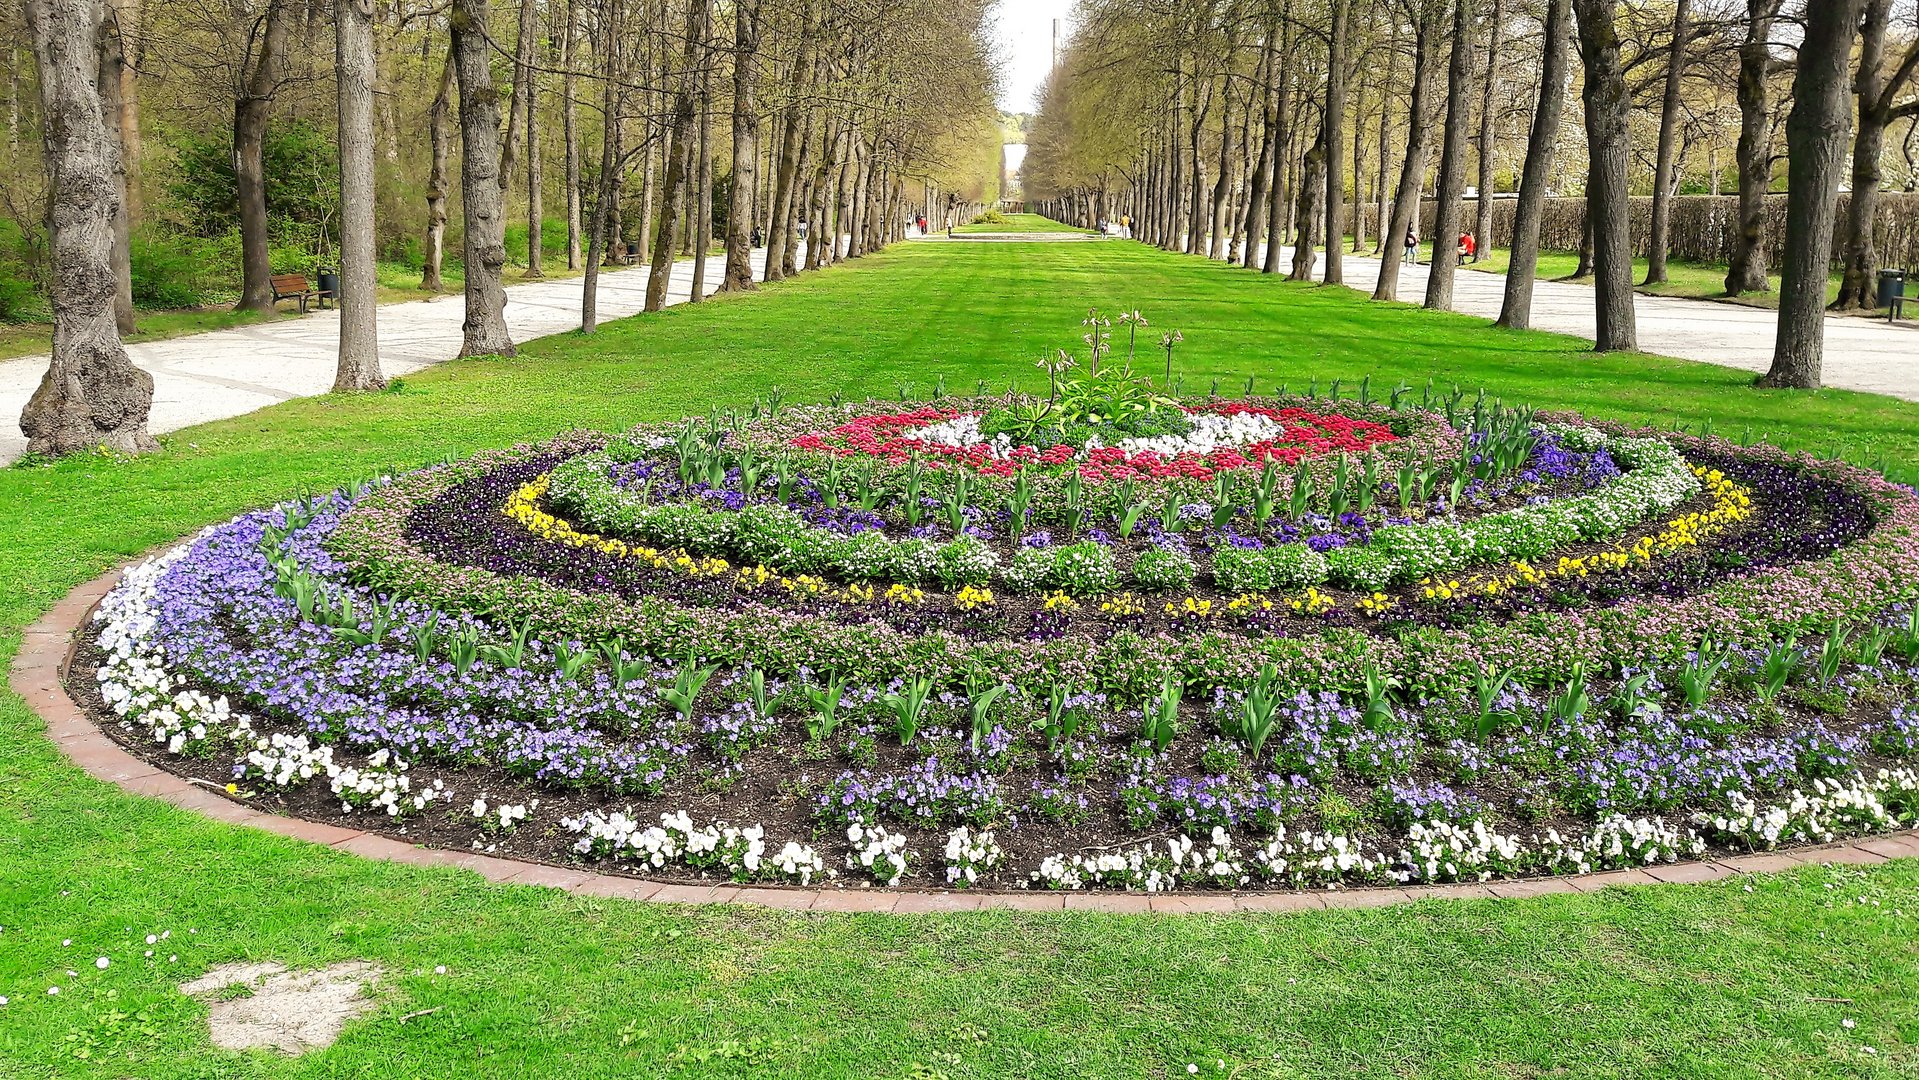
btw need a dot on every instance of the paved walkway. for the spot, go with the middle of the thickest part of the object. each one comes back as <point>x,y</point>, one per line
<point>1861,354</point>
<point>210,376</point>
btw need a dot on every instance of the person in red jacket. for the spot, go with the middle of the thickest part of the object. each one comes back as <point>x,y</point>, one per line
<point>1467,249</point>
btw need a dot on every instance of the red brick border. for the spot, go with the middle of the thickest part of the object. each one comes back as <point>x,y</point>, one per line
<point>40,667</point>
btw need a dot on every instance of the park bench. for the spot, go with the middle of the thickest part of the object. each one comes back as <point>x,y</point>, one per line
<point>292,287</point>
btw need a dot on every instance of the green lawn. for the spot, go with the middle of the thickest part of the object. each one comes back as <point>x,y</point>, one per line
<point>1018,223</point>
<point>1694,280</point>
<point>1676,981</point>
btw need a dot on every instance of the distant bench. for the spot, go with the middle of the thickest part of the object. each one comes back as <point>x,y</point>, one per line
<point>293,287</point>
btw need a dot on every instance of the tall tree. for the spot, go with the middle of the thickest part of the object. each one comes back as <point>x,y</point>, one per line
<point>359,359</point>
<point>1425,16</point>
<point>439,129</point>
<point>746,126</point>
<point>702,205</point>
<point>1483,224</point>
<point>1608,105</point>
<point>1333,136</point>
<point>1747,269</point>
<point>1664,183</point>
<point>1816,132</point>
<point>91,395</point>
<point>570,130</point>
<point>485,332</point>
<point>679,153</point>
<point>265,69</point>
<point>1536,175</point>
<point>112,83</point>
<point>1452,162</point>
<point>1878,93</point>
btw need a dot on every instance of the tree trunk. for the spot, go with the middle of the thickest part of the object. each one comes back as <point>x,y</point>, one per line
<point>1333,136</point>
<point>1311,189</point>
<point>1747,270</point>
<point>703,205</point>
<point>796,210</point>
<point>679,154</point>
<point>535,189</point>
<point>439,127</point>
<point>126,16</point>
<point>480,192</point>
<point>521,97</point>
<point>569,123</point>
<point>91,395</point>
<point>1277,197</point>
<point>1483,225</point>
<point>606,191</point>
<point>746,126</point>
<point>1452,163</point>
<point>1608,104</point>
<point>110,81</point>
<point>1256,212</point>
<point>249,157</point>
<point>359,359</point>
<point>1216,219</point>
<point>1663,180</point>
<point>1536,176</point>
<point>1412,173</point>
<point>1876,93</point>
<point>1815,149</point>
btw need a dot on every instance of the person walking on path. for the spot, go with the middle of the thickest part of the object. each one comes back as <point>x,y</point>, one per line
<point>1412,246</point>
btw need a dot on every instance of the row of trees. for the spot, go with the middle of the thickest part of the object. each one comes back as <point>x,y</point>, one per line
<point>670,126</point>
<point>1232,127</point>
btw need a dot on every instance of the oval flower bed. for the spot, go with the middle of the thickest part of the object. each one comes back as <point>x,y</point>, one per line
<point>1322,644</point>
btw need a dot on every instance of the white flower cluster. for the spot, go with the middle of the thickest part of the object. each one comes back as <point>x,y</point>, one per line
<point>379,788</point>
<point>1833,808</point>
<point>1309,858</point>
<point>1139,868</point>
<point>133,679</point>
<point>284,760</point>
<point>500,817</point>
<point>1618,842</point>
<point>1210,432</point>
<point>878,853</point>
<point>1443,851</point>
<point>739,852</point>
<point>970,854</point>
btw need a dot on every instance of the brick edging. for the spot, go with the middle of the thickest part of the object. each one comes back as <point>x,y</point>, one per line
<point>38,675</point>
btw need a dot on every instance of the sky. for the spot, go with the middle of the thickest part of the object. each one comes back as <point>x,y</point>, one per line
<point>1025,36</point>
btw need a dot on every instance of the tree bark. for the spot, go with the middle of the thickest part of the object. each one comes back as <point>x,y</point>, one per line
<point>1663,180</point>
<point>1412,173</point>
<point>703,180</point>
<point>485,332</point>
<point>535,189</point>
<point>679,154</point>
<point>359,357</point>
<point>1256,211</point>
<point>1815,149</point>
<point>570,131</point>
<point>528,35</point>
<point>91,395</point>
<point>1333,135</point>
<point>1277,200</point>
<point>249,156</point>
<point>1452,163</point>
<point>439,128</point>
<point>1483,225</point>
<point>605,196</point>
<point>111,81</point>
<point>1536,176</point>
<point>1311,189</point>
<point>1608,104</point>
<point>746,126</point>
<point>1747,269</point>
<point>126,16</point>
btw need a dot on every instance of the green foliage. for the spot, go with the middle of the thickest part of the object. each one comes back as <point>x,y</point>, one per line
<point>175,270</point>
<point>1163,568</point>
<point>302,185</point>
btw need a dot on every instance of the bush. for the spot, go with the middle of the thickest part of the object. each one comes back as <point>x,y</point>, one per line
<point>182,271</point>
<point>1287,566</point>
<point>19,300</point>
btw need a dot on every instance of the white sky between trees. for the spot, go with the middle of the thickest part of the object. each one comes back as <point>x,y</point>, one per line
<point>1023,32</point>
